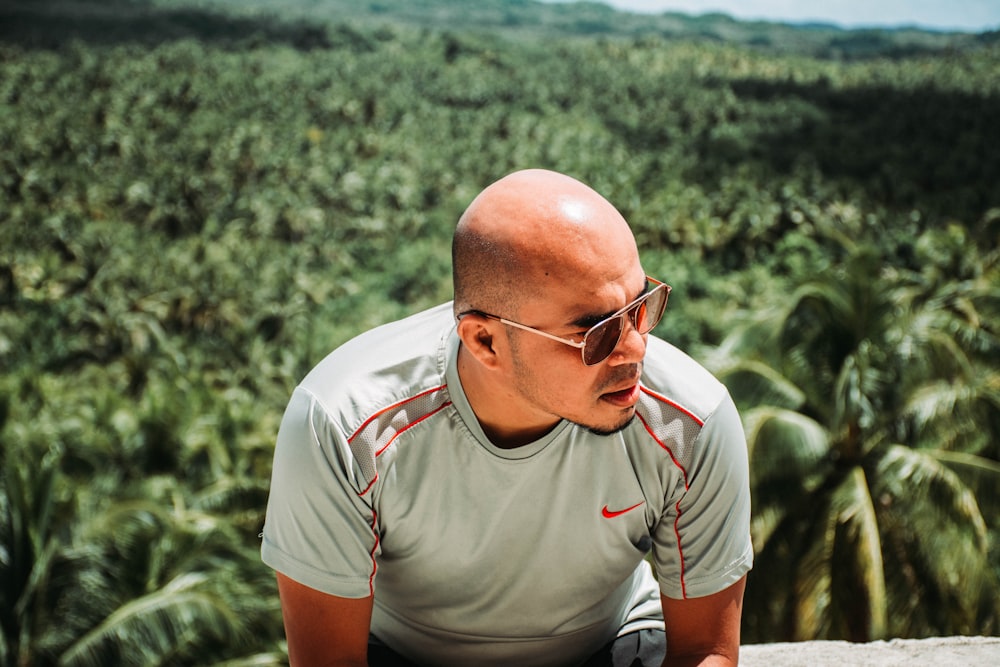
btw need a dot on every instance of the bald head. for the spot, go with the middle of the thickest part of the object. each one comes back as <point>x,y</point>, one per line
<point>531,227</point>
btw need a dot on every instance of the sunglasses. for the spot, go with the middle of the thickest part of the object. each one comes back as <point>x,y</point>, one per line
<point>601,339</point>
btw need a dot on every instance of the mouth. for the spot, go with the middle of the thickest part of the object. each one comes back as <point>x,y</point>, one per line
<point>623,398</point>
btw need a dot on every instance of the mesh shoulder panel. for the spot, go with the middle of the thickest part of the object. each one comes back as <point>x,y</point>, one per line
<point>674,427</point>
<point>379,430</point>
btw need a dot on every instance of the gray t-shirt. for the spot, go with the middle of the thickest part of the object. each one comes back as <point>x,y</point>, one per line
<point>385,484</point>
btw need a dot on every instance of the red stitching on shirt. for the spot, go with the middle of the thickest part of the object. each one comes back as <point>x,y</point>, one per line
<point>680,549</point>
<point>411,425</point>
<point>374,524</point>
<point>662,444</point>
<point>396,406</point>
<point>399,433</point>
<point>392,407</point>
<point>370,485</point>
<point>661,397</point>
<point>677,507</point>
<point>371,579</point>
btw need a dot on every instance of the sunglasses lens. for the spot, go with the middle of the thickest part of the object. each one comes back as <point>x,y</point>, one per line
<point>601,340</point>
<point>649,312</point>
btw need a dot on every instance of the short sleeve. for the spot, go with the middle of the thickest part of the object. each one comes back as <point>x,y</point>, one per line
<point>702,543</point>
<point>320,528</point>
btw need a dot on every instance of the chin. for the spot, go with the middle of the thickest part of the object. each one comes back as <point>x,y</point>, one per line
<point>609,430</point>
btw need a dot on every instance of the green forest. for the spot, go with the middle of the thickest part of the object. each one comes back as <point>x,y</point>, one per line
<point>198,200</point>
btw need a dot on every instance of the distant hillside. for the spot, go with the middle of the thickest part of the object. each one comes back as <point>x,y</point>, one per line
<point>49,23</point>
<point>529,17</point>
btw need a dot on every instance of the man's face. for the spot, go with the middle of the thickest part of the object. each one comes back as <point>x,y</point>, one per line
<point>551,378</point>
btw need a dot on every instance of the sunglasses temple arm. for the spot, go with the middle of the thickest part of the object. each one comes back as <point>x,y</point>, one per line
<point>524,327</point>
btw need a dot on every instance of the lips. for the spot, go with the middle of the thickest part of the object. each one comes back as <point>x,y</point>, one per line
<point>625,398</point>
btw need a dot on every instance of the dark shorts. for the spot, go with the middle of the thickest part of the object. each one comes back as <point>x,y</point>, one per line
<point>644,648</point>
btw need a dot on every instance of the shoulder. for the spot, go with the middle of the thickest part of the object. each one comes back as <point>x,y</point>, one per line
<point>390,365</point>
<point>683,404</point>
<point>672,378</point>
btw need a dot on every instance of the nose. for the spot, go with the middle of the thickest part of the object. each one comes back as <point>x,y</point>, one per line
<point>631,348</point>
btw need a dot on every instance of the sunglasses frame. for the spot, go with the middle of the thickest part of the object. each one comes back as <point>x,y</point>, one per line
<point>628,312</point>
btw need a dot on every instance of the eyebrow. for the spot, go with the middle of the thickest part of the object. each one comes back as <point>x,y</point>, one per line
<point>588,321</point>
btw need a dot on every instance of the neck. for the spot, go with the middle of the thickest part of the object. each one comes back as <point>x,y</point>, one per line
<point>498,408</point>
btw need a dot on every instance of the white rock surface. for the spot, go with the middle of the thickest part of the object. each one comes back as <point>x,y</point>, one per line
<point>935,652</point>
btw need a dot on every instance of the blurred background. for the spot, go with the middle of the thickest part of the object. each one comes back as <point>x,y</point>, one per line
<point>200,199</point>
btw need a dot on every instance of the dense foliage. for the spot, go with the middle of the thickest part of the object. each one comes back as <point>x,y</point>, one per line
<point>195,207</point>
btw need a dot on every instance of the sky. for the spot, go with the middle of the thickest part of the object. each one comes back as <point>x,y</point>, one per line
<point>965,15</point>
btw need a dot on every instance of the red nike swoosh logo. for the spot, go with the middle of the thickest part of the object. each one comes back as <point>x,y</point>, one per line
<point>609,514</point>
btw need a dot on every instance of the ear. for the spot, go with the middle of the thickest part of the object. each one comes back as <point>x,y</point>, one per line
<point>477,335</point>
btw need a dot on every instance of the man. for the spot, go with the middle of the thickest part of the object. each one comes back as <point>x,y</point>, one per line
<point>479,484</point>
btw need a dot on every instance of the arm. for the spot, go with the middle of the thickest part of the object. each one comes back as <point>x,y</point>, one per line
<point>704,631</point>
<point>319,522</point>
<point>324,630</point>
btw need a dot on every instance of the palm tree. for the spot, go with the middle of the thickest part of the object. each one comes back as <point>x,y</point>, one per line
<point>94,575</point>
<point>860,399</point>
<point>192,593</point>
<point>33,498</point>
